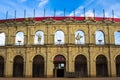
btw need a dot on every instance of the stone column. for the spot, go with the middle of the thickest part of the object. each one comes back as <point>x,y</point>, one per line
<point>45,38</point>
<point>25,39</point>
<point>71,65</point>
<point>93,68</point>
<point>8,66</point>
<point>50,67</point>
<point>113,68</point>
<point>28,65</point>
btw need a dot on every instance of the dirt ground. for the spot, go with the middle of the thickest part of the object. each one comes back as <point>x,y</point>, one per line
<point>113,78</point>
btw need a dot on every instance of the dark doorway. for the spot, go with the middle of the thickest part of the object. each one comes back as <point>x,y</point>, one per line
<point>1,66</point>
<point>60,72</point>
<point>59,66</point>
<point>101,66</point>
<point>18,67</point>
<point>38,66</point>
<point>118,66</point>
<point>81,66</point>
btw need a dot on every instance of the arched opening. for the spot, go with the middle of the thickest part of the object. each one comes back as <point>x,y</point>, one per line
<point>59,37</point>
<point>101,66</point>
<point>39,38</point>
<point>19,39</point>
<point>81,66</point>
<point>18,66</point>
<point>79,37</point>
<point>38,66</point>
<point>99,37</point>
<point>2,39</point>
<point>118,65</point>
<point>117,37</point>
<point>59,66</point>
<point>1,66</point>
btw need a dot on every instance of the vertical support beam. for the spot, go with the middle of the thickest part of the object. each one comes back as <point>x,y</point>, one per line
<point>54,12</point>
<point>44,12</point>
<point>94,13</point>
<point>113,15</point>
<point>15,14</point>
<point>89,65</point>
<point>25,13</point>
<point>84,14</point>
<point>109,52</point>
<point>46,65</point>
<point>34,13</point>
<point>50,66</point>
<point>7,15</point>
<point>64,12</point>
<point>8,65</point>
<point>103,14</point>
<point>74,13</point>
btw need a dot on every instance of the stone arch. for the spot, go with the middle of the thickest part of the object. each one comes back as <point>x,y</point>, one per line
<point>117,37</point>
<point>117,62</point>
<point>1,66</point>
<point>52,58</point>
<point>59,37</point>
<point>99,37</point>
<point>101,66</point>
<point>2,38</point>
<point>60,57</point>
<point>81,65</point>
<point>80,37</point>
<point>18,66</point>
<point>59,66</point>
<point>39,37</point>
<point>19,38</point>
<point>80,54</point>
<point>38,66</point>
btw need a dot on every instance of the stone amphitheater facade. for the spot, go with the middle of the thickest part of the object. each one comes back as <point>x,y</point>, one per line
<point>67,59</point>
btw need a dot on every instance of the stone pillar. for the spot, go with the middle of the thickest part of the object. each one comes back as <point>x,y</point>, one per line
<point>8,66</point>
<point>12,40</point>
<point>50,39</point>
<point>25,39</point>
<point>71,65</point>
<point>113,68</point>
<point>28,66</point>
<point>72,38</point>
<point>31,40</point>
<point>50,67</point>
<point>93,40</point>
<point>92,68</point>
<point>45,39</point>
<point>109,68</point>
<point>71,61</point>
<point>88,68</point>
<point>65,38</point>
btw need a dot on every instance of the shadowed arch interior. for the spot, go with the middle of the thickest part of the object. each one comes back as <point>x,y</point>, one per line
<point>118,65</point>
<point>1,66</point>
<point>59,66</point>
<point>38,66</point>
<point>101,66</point>
<point>81,65</point>
<point>18,66</point>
